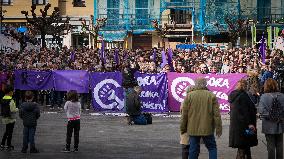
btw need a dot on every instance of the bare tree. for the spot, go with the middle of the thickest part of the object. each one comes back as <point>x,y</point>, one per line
<point>162,32</point>
<point>236,26</point>
<point>44,24</point>
<point>93,28</point>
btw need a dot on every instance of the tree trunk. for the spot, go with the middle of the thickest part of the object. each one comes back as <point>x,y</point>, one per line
<point>96,40</point>
<point>43,43</point>
<point>163,43</point>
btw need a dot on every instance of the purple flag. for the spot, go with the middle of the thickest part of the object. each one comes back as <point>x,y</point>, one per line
<point>154,55</point>
<point>33,80</point>
<point>164,59</point>
<point>262,49</point>
<point>103,56</point>
<point>116,57</point>
<point>154,91</point>
<point>66,80</point>
<point>125,56</point>
<point>107,92</point>
<point>170,59</point>
<point>220,85</point>
<point>72,56</point>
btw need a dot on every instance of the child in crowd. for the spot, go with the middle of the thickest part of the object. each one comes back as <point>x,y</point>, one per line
<point>8,111</point>
<point>29,113</point>
<point>73,111</point>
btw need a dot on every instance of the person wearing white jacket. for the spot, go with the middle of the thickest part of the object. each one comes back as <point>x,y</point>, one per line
<point>73,111</point>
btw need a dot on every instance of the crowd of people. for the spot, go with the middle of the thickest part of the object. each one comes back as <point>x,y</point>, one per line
<point>198,60</point>
<point>204,60</point>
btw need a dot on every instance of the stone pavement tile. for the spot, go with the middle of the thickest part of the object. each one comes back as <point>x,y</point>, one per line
<point>109,137</point>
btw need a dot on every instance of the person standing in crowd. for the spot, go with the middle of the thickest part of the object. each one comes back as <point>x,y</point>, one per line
<point>73,111</point>
<point>242,118</point>
<point>8,112</point>
<point>29,113</point>
<point>199,110</point>
<point>272,105</point>
<point>133,107</point>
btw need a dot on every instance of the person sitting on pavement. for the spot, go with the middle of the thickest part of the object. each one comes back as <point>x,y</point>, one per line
<point>133,107</point>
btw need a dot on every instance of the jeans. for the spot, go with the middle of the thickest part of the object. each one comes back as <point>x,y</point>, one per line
<point>210,143</point>
<point>73,125</point>
<point>29,137</point>
<point>274,145</point>
<point>8,134</point>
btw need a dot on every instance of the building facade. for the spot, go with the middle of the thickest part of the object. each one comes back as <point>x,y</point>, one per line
<point>129,22</point>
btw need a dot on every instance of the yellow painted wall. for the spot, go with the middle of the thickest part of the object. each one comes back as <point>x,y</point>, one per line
<point>68,9</point>
<point>14,10</point>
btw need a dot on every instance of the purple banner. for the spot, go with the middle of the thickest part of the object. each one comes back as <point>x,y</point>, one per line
<point>107,92</point>
<point>3,79</point>
<point>33,80</point>
<point>154,91</point>
<point>220,85</point>
<point>66,80</point>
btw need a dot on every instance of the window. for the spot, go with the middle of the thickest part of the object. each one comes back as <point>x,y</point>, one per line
<point>112,12</point>
<point>141,9</point>
<point>7,2</point>
<point>79,3</point>
<point>40,2</point>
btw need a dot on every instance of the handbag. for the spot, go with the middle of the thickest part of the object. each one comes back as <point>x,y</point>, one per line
<point>251,137</point>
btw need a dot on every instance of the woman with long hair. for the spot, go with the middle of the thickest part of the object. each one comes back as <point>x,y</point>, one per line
<point>242,119</point>
<point>273,129</point>
<point>73,111</point>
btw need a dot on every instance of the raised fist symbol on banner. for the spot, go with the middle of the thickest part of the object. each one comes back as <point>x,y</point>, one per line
<point>104,94</point>
<point>179,87</point>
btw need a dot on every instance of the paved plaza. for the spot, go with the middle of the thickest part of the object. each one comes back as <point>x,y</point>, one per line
<point>109,137</point>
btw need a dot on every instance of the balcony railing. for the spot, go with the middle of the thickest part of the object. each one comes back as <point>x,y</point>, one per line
<point>122,21</point>
<point>79,3</point>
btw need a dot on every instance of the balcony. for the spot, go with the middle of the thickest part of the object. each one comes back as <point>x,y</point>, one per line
<point>173,5</point>
<point>126,22</point>
<point>79,3</point>
<point>181,21</point>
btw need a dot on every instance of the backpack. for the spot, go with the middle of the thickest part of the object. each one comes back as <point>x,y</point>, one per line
<point>275,112</point>
<point>5,108</point>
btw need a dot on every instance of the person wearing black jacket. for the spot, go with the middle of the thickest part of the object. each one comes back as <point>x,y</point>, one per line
<point>133,107</point>
<point>29,113</point>
<point>242,118</point>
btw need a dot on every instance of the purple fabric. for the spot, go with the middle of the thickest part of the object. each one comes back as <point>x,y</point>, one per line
<point>170,59</point>
<point>33,80</point>
<point>66,80</point>
<point>154,55</point>
<point>3,79</point>
<point>262,49</point>
<point>103,56</point>
<point>116,57</point>
<point>220,85</point>
<point>154,91</point>
<point>107,91</point>
<point>72,56</point>
<point>164,59</point>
